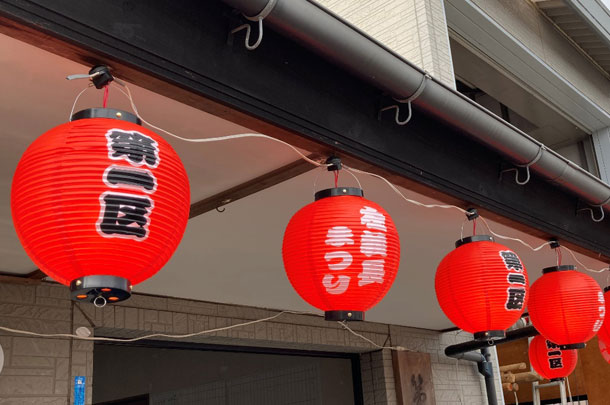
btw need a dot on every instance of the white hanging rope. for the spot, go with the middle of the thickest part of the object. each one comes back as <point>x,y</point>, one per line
<point>129,96</point>
<point>396,348</point>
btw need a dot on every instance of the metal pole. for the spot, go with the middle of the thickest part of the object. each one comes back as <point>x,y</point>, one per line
<point>562,392</point>
<point>453,350</point>
<point>486,369</point>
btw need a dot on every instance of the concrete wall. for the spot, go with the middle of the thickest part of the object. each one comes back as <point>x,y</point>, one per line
<point>41,370</point>
<point>414,29</point>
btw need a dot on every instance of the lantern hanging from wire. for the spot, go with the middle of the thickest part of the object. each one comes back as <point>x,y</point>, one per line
<point>566,306</point>
<point>341,252</point>
<point>100,203</point>
<point>482,286</point>
<point>549,360</point>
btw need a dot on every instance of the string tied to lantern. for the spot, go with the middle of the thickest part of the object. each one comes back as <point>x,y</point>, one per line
<point>341,252</point>
<point>566,306</point>
<point>108,211</point>
<point>481,286</point>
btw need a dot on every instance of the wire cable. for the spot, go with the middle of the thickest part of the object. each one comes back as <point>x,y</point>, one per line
<point>129,96</point>
<point>350,170</point>
<point>396,348</point>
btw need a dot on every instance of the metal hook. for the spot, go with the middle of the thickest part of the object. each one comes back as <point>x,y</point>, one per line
<point>259,17</point>
<point>407,101</point>
<point>248,30</point>
<point>601,208</point>
<point>526,166</point>
<point>220,210</point>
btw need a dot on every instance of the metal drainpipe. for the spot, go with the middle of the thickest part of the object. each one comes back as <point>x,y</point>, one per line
<point>485,368</point>
<point>336,40</point>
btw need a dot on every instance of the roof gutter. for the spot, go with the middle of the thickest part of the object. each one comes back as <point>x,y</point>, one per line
<point>336,40</point>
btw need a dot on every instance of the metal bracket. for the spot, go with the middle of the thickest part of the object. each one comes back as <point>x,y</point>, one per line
<point>526,166</point>
<point>407,100</point>
<point>257,18</point>
<point>589,207</point>
<point>100,76</point>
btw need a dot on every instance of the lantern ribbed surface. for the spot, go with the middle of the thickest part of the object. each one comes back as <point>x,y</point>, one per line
<point>603,336</point>
<point>567,307</point>
<point>341,253</point>
<point>100,196</point>
<point>482,286</point>
<point>549,361</point>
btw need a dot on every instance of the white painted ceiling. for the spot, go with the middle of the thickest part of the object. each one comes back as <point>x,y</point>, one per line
<point>234,256</point>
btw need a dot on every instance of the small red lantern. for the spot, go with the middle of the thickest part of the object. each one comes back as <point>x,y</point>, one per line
<point>566,306</point>
<point>482,286</point>
<point>100,203</point>
<point>549,360</point>
<point>341,253</point>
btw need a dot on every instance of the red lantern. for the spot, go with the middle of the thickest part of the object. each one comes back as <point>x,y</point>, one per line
<point>566,306</point>
<point>548,360</point>
<point>603,336</point>
<point>341,253</point>
<point>482,286</point>
<point>604,348</point>
<point>100,204</point>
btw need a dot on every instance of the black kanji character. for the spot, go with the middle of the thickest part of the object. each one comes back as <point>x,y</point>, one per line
<point>516,297</point>
<point>137,148</point>
<point>516,278</point>
<point>125,215</point>
<point>511,260</point>
<point>130,177</point>
<point>556,353</point>
<point>555,362</point>
<point>551,345</point>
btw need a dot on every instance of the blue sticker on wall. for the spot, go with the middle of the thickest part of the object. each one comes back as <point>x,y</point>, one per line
<point>79,390</point>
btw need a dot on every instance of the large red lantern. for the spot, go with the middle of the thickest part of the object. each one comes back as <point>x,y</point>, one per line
<point>482,286</point>
<point>100,203</point>
<point>341,253</point>
<point>549,360</point>
<point>566,306</point>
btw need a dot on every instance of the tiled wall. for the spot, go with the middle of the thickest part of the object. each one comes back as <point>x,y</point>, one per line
<point>41,370</point>
<point>414,29</point>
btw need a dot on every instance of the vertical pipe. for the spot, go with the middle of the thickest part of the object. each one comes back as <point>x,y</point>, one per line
<point>562,392</point>
<point>486,369</point>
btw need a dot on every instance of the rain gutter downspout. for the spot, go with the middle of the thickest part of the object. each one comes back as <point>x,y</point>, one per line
<point>336,40</point>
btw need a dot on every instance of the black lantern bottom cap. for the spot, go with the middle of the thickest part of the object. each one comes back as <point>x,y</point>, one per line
<point>573,346</point>
<point>344,316</point>
<point>100,290</point>
<point>490,335</point>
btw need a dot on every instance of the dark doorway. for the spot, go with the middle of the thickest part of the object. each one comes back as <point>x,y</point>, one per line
<point>160,373</point>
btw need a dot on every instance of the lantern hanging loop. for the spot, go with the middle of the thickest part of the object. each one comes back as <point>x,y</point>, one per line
<point>100,301</point>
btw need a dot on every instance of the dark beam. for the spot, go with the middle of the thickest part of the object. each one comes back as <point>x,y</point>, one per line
<point>285,91</point>
<point>36,275</point>
<point>250,187</point>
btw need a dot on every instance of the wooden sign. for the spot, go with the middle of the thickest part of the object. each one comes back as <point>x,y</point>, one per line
<point>413,376</point>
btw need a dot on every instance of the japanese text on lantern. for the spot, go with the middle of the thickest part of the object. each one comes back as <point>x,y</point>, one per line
<point>373,245</point>
<point>602,312</point>
<point>516,280</point>
<point>126,214</point>
<point>554,355</point>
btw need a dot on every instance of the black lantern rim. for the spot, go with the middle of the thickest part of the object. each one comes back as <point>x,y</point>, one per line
<point>489,335</point>
<point>564,267</point>
<point>338,191</point>
<point>100,290</point>
<point>474,238</point>
<point>106,113</point>
<point>606,289</point>
<point>344,316</point>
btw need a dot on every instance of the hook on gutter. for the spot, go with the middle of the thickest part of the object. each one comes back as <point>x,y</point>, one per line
<point>598,206</point>
<point>526,166</point>
<point>407,101</point>
<point>257,18</point>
